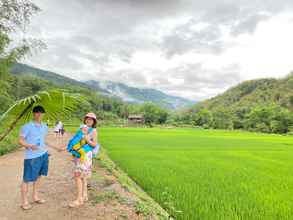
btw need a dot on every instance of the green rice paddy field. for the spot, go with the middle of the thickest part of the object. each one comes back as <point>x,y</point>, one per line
<point>206,174</point>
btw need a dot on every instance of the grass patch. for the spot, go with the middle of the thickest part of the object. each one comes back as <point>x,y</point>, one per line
<point>10,143</point>
<point>104,197</point>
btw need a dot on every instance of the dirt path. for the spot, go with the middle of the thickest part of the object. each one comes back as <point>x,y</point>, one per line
<point>108,200</point>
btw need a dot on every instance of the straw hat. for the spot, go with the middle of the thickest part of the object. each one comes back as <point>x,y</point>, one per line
<point>91,115</point>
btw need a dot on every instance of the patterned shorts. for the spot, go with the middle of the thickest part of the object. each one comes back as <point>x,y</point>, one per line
<point>83,168</point>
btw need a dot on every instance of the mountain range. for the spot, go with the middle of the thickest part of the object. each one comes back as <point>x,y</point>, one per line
<point>115,89</point>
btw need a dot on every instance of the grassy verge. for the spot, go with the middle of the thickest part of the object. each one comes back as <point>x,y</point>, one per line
<point>146,205</point>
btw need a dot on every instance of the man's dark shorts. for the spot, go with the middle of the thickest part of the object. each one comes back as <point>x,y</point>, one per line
<point>33,168</point>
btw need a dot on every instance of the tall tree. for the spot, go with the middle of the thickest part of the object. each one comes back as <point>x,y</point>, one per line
<point>15,17</point>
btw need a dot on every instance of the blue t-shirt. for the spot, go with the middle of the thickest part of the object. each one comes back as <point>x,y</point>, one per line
<point>34,133</point>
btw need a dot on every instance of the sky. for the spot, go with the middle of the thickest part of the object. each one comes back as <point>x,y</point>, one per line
<point>190,48</point>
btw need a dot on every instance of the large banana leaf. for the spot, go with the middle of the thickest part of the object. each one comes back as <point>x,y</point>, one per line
<point>58,105</point>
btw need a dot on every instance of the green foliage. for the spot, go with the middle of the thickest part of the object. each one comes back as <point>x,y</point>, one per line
<point>264,105</point>
<point>28,80</point>
<point>107,108</point>
<point>203,118</point>
<point>184,117</point>
<point>269,119</point>
<point>222,119</point>
<point>58,104</point>
<point>5,102</point>
<point>105,197</point>
<point>10,143</point>
<point>24,70</point>
<point>149,111</point>
<point>169,203</point>
<point>153,113</point>
<point>14,17</point>
<point>142,209</point>
<point>16,88</point>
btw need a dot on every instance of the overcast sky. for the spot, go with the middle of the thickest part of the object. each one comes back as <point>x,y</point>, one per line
<point>190,48</point>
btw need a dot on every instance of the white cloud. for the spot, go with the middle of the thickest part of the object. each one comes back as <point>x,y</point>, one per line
<point>190,48</point>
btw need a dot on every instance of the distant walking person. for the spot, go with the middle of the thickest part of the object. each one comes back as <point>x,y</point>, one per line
<point>32,138</point>
<point>58,128</point>
<point>62,130</point>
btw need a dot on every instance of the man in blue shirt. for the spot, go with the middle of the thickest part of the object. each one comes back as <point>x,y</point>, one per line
<point>32,138</point>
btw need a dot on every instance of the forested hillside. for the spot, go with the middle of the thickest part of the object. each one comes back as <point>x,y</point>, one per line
<point>263,105</point>
<point>256,92</point>
<point>108,108</point>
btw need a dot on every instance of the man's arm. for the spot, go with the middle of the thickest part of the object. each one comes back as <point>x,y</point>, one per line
<point>58,148</point>
<point>23,134</point>
<point>22,142</point>
<point>49,144</point>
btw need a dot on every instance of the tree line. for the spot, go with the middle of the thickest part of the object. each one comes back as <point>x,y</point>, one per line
<point>267,119</point>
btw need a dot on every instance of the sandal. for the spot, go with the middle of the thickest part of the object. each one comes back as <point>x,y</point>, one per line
<point>75,204</point>
<point>26,207</point>
<point>40,201</point>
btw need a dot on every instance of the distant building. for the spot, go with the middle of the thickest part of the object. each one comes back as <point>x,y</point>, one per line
<point>135,119</point>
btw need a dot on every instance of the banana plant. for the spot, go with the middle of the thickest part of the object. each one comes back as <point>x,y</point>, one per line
<point>57,103</point>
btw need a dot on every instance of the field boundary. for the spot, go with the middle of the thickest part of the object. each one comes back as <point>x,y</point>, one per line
<point>149,205</point>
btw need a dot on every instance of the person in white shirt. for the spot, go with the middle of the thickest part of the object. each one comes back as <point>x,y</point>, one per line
<point>58,128</point>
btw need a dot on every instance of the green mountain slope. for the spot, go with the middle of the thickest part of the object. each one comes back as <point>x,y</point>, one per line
<point>263,105</point>
<point>124,92</point>
<point>26,70</point>
<point>255,92</point>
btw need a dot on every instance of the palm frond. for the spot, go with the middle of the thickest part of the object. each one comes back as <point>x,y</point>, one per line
<point>57,103</point>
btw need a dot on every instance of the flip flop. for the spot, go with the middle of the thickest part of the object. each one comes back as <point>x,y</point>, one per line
<point>40,201</point>
<point>26,207</point>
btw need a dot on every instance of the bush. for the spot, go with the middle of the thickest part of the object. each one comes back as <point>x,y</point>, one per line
<point>269,119</point>
<point>278,127</point>
<point>203,118</point>
<point>222,120</point>
<point>262,127</point>
<point>153,113</point>
<point>10,143</point>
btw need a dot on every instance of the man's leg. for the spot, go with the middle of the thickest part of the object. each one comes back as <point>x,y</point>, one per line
<point>24,191</point>
<point>27,175</point>
<point>44,163</point>
<point>35,189</point>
